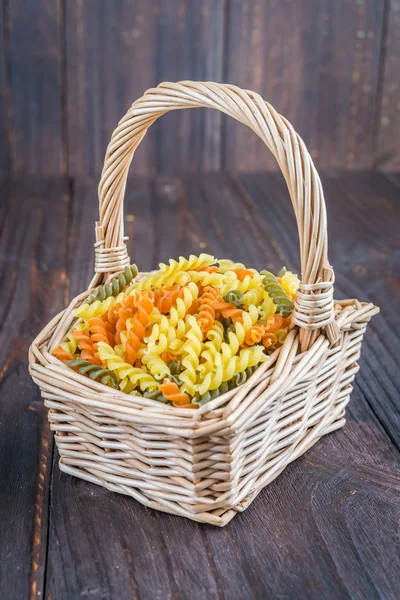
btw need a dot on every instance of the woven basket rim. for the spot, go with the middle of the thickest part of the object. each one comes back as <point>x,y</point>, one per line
<point>47,340</point>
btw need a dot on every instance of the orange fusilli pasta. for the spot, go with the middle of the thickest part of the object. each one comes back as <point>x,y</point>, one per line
<point>87,346</point>
<point>242,273</point>
<point>171,391</point>
<point>187,333</point>
<point>228,311</point>
<point>62,354</point>
<point>101,331</point>
<point>206,314</point>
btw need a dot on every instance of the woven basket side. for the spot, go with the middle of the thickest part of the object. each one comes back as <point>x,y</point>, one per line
<point>211,477</point>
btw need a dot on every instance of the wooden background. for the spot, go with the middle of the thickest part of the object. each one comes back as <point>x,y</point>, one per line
<point>326,529</point>
<point>69,69</point>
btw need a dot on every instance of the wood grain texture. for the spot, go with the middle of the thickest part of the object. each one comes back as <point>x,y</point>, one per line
<point>69,70</point>
<point>190,44</point>
<point>317,62</point>
<point>394,178</point>
<point>388,149</point>
<point>4,132</point>
<point>327,526</point>
<point>115,51</point>
<point>32,274</point>
<point>373,209</point>
<point>363,207</point>
<point>36,142</point>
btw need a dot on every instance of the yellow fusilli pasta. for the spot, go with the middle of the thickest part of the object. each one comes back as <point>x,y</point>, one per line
<point>290,283</point>
<point>97,308</point>
<point>190,353</point>
<point>126,373</point>
<point>155,364</point>
<point>228,265</point>
<point>194,329</point>
<point>71,343</point>
<point>248,283</point>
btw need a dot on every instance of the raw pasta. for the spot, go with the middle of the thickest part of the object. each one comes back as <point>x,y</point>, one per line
<point>85,367</point>
<point>184,334</point>
<point>226,386</point>
<point>277,293</point>
<point>206,316</point>
<point>171,391</point>
<point>168,273</point>
<point>115,286</point>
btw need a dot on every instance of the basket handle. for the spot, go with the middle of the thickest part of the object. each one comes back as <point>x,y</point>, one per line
<point>314,303</point>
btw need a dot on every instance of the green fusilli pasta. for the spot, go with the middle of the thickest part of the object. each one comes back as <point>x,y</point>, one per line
<point>240,378</point>
<point>174,379</point>
<point>282,271</point>
<point>234,297</point>
<point>95,372</point>
<point>174,367</point>
<point>277,293</point>
<point>115,286</point>
<point>155,395</point>
<point>237,380</point>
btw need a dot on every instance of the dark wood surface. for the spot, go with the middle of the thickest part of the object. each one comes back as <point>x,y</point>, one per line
<point>388,150</point>
<point>318,63</point>
<point>326,528</point>
<point>4,133</point>
<point>69,70</point>
<point>34,87</point>
<point>117,50</point>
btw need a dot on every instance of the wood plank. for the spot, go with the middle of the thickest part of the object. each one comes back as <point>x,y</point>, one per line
<point>189,46</point>
<point>4,132</point>
<point>115,51</point>
<point>330,81</point>
<point>35,92</point>
<point>32,272</point>
<point>388,148</point>
<point>393,178</point>
<point>371,210</point>
<point>324,528</point>
<point>317,63</point>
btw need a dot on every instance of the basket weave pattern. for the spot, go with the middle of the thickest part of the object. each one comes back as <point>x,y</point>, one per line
<point>210,463</point>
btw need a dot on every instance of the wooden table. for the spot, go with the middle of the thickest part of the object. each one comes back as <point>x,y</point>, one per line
<point>326,528</point>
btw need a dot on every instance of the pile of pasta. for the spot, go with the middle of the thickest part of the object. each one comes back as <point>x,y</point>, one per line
<point>184,334</point>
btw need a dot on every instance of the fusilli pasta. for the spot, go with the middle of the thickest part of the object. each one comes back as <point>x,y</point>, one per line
<point>85,367</point>
<point>226,386</point>
<point>168,273</point>
<point>63,354</point>
<point>277,293</point>
<point>171,392</point>
<point>206,314</point>
<point>184,334</point>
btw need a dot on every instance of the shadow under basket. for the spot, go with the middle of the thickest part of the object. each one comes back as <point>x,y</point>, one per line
<point>209,464</point>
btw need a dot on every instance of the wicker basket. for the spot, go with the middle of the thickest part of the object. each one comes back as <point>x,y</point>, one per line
<point>209,464</point>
